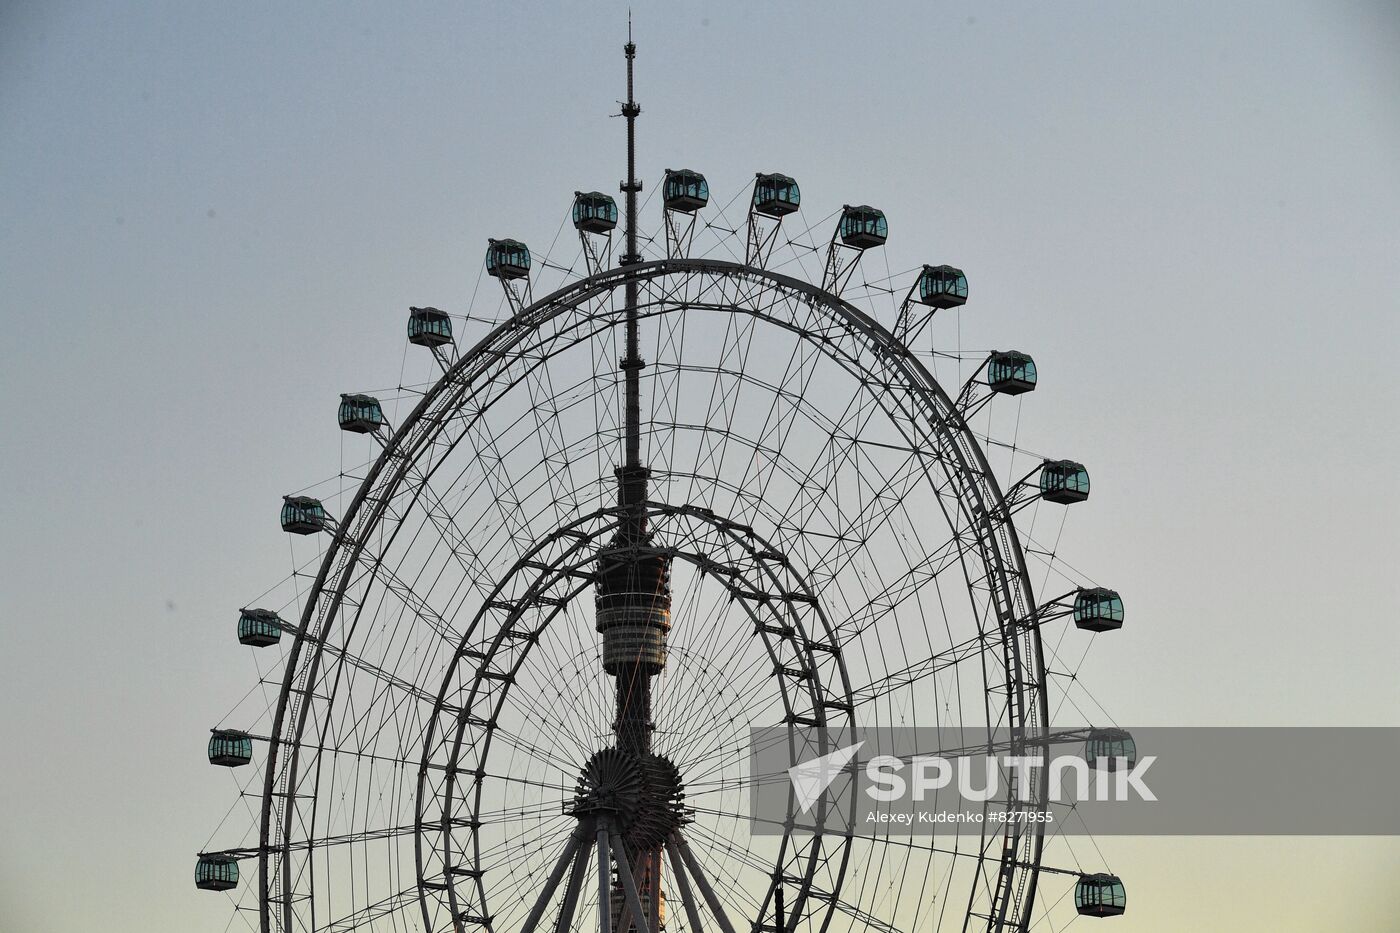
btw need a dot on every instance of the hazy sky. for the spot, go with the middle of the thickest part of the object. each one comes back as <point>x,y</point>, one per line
<point>214,216</point>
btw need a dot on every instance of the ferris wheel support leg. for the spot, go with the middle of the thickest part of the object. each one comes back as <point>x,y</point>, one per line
<point>692,915</point>
<point>677,843</point>
<point>604,881</point>
<point>582,859</point>
<point>571,850</point>
<point>629,883</point>
<point>654,873</point>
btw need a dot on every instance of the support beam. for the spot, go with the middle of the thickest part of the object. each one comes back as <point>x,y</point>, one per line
<point>571,850</point>
<point>629,883</point>
<point>654,871</point>
<point>604,881</point>
<point>582,858</point>
<point>692,915</point>
<point>677,842</point>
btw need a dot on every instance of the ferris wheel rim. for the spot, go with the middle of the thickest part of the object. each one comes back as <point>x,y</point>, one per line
<point>497,342</point>
<point>756,545</point>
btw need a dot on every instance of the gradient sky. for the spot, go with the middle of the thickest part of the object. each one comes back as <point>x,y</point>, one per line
<point>214,216</point>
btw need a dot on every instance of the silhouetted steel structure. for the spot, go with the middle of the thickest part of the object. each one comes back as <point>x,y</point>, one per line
<point>573,576</point>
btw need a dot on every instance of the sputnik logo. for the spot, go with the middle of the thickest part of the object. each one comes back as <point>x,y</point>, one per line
<point>810,779</point>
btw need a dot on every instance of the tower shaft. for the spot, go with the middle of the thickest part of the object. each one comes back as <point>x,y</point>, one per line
<point>634,578</point>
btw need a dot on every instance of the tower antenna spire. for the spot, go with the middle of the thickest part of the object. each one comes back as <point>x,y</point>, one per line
<point>632,478</point>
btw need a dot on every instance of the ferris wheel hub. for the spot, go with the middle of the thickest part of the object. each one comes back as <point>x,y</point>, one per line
<point>642,794</point>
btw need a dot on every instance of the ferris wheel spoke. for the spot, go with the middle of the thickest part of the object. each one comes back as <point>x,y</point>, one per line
<point>705,653</point>
<point>801,376</point>
<point>552,806</point>
<point>699,738</point>
<point>841,440</point>
<point>724,401</point>
<point>969,649</point>
<point>503,492</point>
<point>542,755</point>
<point>385,677</point>
<point>409,598</point>
<point>553,449</point>
<point>370,914</point>
<point>882,504</point>
<point>567,724</point>
<point>453,537</point>
<point>901,588</point>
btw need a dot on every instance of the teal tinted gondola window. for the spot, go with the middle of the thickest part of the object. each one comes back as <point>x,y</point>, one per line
<point>230,749</point>
<point>1098,608</point>
<point>216,873</point>
<point>303,515</point>
<point>863,227</point>
<point>776,195</point>
<point>685,190</point>
<point>1011,372</point>
<point>507,259</point>
<point>1064,481</point>
<point>429,327</point>
<point>360,413</point>
<point>259,628</point>
<point>594,212</point>
<point>1105,747</point>
<point>942,285</point>
<point>1100,895</point>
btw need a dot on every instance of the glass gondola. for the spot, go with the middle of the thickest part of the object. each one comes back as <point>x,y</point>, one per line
<point>776,195</point>
<point>863,227</point>
<point>303,515</point>
<point>942,286</point>
<point>594,212</point>
<point>259,627</point>
<point>1100,895</point>
<point>507,259</point>
<point>1098,610</point>
<point>1064,482</point>
<point>429,327</point>
<point>1011,372</point>
<point>684,191</point>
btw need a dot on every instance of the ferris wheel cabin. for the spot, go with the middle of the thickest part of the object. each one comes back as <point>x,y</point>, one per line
<point>594,212</point>
<point>1100,895</point>
<point>863,227</point>
<point>507,259</point>
<point>259,628</point>
<point>230,748</point>
<point>216,873</point>
<point>303,515</point>
<point>1104,747</point>
<point>942,287</point>
<point>684,191</point>
<point>1064,482</point>
<point>776,195</point>
<point>1011,372</point>
<point>429,327</point>
<point>1098,610</point>
<point>360,414</point>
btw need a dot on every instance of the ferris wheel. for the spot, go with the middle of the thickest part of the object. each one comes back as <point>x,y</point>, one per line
<point>650,505</point>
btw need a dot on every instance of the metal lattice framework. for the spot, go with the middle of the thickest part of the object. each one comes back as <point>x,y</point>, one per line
<point>451,749</point>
